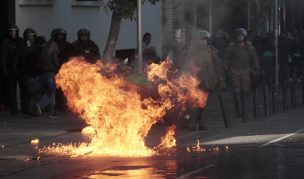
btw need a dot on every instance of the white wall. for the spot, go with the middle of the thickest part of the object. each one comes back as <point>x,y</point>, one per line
<point>45,18</point>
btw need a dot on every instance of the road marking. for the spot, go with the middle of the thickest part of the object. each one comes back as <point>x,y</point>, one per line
<point>196,171</point>
<point>282,138</point>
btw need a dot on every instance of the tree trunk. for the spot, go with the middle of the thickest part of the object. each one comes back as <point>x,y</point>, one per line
<point>113,36</point>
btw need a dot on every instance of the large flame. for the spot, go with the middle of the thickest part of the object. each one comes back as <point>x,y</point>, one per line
<point>181,88</point>
<point>119,118</point>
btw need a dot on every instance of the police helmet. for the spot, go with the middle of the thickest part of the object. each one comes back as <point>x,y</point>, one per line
<point>29,33</point>
<point>13,28</point>
<point>241,31</point>
<point>82,32</point>
<point>203,34</point>
<point>61,31</point>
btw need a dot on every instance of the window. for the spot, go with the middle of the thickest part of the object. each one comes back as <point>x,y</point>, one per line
<point>88,3</point>
<point>36,2</point>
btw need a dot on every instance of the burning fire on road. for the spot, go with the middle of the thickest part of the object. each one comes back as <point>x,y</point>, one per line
<point>119,117</point>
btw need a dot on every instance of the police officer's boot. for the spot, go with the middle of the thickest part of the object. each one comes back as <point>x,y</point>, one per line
<point>237,103</point>
<point>193,121</point>
<point>196,120</point>
<point>244,106</point>
<point>201,121</point>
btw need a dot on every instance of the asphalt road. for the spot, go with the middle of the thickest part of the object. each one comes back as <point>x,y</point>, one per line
<point>266,148</point>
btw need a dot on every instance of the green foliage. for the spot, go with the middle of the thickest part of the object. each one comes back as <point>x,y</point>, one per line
<point>126,8</point>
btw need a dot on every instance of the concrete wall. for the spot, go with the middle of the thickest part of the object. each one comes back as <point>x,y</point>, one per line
<point>62,14</point>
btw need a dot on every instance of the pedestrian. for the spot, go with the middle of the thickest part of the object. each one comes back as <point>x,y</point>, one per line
<point>149,52</point>
<point>204,59</point>
<point>86,47</point>
<point>241,65</point>
<point>11,55</point>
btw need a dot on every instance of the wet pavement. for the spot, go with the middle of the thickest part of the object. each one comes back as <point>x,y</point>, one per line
<point>240,162</point>
<point>262,149</point>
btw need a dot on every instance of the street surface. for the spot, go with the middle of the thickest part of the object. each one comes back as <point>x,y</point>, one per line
<point>266,148</point>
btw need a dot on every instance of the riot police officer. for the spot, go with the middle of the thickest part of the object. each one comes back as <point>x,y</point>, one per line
<point>203,56</point>
<point>65,48</point>
<point>29,37</point>
<point>65,52</point>
<point>11,55</point>
<point>86,47</point>
<point>241,64</point>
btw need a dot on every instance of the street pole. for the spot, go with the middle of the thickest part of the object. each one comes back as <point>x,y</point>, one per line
<point>248,15</point>
<point>210,16</point>
<point>139,40</point>
<point>276,42</point>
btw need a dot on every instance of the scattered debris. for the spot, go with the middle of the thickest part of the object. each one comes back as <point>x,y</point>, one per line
<point>227,148</point>
<point>35,141</point>
<point>199,148</point>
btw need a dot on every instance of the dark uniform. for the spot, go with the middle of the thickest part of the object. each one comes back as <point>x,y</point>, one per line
<point>86,48</point>
<point>66,51</point>
<point>12,50</point>
<point>65,48</point>
<point>33,72</point>
<point>29,37</point>
<point>241,64</point>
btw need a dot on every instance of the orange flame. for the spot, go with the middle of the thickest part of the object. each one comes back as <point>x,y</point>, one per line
<point>119,118</point>
<point>184,89</point>
<point>168,140</point>
<point>35,141</point>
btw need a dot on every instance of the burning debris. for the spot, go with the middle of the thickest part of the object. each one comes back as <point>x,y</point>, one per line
<point>168,140</point>
<point>199,148</point>
<point>119,117</point>
<point>35,141</point>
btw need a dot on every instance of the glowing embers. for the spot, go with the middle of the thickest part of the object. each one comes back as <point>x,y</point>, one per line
<point>119,117</point>
<point>35,141</point>
<point>199,148</point>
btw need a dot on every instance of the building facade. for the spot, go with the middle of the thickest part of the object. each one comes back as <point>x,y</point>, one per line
<point>170,22</point>
<point>45,15</point>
